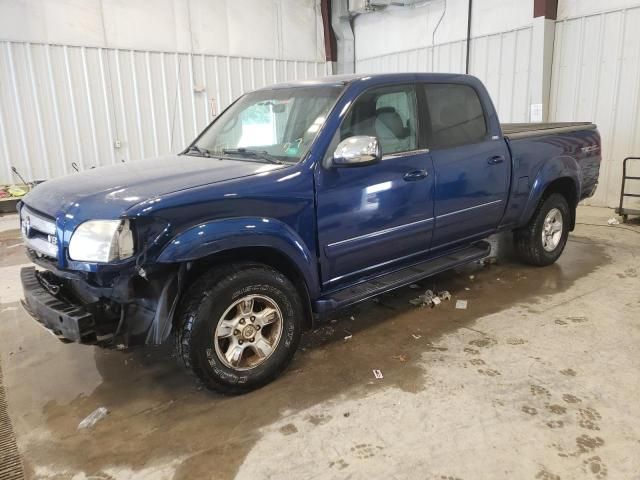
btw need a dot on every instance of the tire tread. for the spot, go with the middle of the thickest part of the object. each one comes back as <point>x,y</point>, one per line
<point>207,285</point>
<point>526,241</point>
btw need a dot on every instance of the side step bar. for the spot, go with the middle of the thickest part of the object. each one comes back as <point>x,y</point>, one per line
<point>375,286</point>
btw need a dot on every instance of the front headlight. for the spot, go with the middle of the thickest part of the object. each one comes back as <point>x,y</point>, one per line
<point>101,241</point>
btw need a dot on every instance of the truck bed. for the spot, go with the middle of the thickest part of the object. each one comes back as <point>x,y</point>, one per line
<point>523,130</point>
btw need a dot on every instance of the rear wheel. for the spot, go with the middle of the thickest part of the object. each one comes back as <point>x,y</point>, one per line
<point>543,239</point>
<point>239,327</point>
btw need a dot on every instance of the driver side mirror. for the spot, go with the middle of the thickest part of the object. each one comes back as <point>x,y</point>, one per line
<point>357,151</point>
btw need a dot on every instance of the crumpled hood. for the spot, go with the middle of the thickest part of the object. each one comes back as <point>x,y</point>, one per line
<point>108,192</point>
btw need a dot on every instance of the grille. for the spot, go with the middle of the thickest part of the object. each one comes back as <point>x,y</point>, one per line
<point>39,232</point>
<point>10,462</point>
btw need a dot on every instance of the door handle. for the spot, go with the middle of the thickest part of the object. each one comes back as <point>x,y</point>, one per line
<point>495,160</point>
<point>415,175</point>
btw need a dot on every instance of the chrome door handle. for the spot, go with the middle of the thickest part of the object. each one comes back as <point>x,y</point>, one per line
<point>495,160</point>
<point>415,175</point>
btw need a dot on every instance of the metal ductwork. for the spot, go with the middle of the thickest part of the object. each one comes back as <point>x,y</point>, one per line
<point>365,6</point>
<point>341,24</point>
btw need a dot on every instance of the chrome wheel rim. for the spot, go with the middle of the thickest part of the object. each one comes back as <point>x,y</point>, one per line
<point>552,230</point>
<point>248,332</point>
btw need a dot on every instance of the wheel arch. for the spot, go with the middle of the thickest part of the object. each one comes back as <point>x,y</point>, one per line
<point>560,175</point>
<point>268,256</point>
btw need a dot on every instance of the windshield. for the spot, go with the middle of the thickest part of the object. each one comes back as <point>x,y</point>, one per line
<point>269,125</point>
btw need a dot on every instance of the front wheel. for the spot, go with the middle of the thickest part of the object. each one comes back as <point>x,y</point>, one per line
<point>239,327</point>
<point>543,239</point>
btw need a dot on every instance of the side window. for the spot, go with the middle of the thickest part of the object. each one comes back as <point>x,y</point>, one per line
<point>456,115</point>
<point>388,113</point>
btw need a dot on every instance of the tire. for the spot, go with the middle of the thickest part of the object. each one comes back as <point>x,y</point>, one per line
<point>529,242</point>
<point>207,312</point>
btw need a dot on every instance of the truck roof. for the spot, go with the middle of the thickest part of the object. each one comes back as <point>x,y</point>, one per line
<point>344,79</point>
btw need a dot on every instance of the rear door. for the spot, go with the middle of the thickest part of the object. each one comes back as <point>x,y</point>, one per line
<point>471,162</point>
<point>373,217</point>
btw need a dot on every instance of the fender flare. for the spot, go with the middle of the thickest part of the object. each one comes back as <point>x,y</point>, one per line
<point>217,236</point>
<point>553,169</point>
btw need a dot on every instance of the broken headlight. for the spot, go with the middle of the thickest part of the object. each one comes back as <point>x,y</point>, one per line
<point>101,241</point>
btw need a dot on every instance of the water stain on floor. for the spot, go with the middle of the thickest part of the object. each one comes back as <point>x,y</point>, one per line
<point>161,412</point>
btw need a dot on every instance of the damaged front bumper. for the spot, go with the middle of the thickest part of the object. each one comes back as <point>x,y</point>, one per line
<point>68,322</point>
<point>119,311</point>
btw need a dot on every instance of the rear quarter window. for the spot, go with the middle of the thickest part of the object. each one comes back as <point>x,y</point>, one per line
<point>455,114</point>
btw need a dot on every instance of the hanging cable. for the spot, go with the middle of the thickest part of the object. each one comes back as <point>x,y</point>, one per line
<point>466,70</point>
<point>433,35</point>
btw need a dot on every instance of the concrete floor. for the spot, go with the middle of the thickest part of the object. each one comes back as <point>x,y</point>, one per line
<point>539,378</point>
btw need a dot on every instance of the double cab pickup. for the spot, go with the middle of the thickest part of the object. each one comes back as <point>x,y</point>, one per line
<point>298,200</point>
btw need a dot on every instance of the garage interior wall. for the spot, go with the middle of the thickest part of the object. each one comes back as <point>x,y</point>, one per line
<point>98,82</point>
<point>595,69</point>
<point>596,76</point>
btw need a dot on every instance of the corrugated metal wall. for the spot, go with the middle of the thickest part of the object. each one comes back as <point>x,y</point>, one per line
<point>501,61</point>
<point>596,77</point>
<point>61,105</point>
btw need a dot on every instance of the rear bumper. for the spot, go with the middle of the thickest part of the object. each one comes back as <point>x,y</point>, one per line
<point>67,321</point>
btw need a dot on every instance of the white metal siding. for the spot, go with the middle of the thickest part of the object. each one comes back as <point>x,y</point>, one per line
<point>64,104</point>
<point>596,77</point>
<point>501,61</point>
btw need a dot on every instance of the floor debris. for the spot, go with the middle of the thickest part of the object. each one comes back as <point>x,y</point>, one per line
<point>613,221</point>
<point>424,300</point>
<point>444,295</point>
<point>348,337</point>
<point>417,337</point>
<point>430,299</point>
<point>93,418</point>
<point>461,304</point>
<point>402,358</point>
<point>377,374</point>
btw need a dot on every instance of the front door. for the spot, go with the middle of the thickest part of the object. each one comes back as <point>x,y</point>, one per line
<point>372,217</point>
<point>471,164</point>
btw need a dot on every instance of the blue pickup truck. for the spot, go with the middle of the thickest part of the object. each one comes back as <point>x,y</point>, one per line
<point>296,201</point>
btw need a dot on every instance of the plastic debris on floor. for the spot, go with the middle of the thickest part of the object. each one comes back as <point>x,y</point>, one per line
<point>444,295</point>
<point>461,304</point>
<point>377,374</point>
<point>93,418</point>
<point>613,221</point>
<point>430,299</point>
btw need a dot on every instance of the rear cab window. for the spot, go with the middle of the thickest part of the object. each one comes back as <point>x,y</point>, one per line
<point>456,116</point>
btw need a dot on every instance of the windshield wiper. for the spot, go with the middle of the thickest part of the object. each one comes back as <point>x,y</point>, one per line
<point>253,153</point>
<point>203,152</point>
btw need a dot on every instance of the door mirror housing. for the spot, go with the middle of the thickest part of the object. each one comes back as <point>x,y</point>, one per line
<point>357,151</point>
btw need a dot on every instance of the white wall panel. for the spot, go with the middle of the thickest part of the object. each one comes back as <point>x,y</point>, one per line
<point>61,105</point>
<point>243,28</point>
<point>596,77</point>
<point>396,28</point>
<point>501,61</point>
